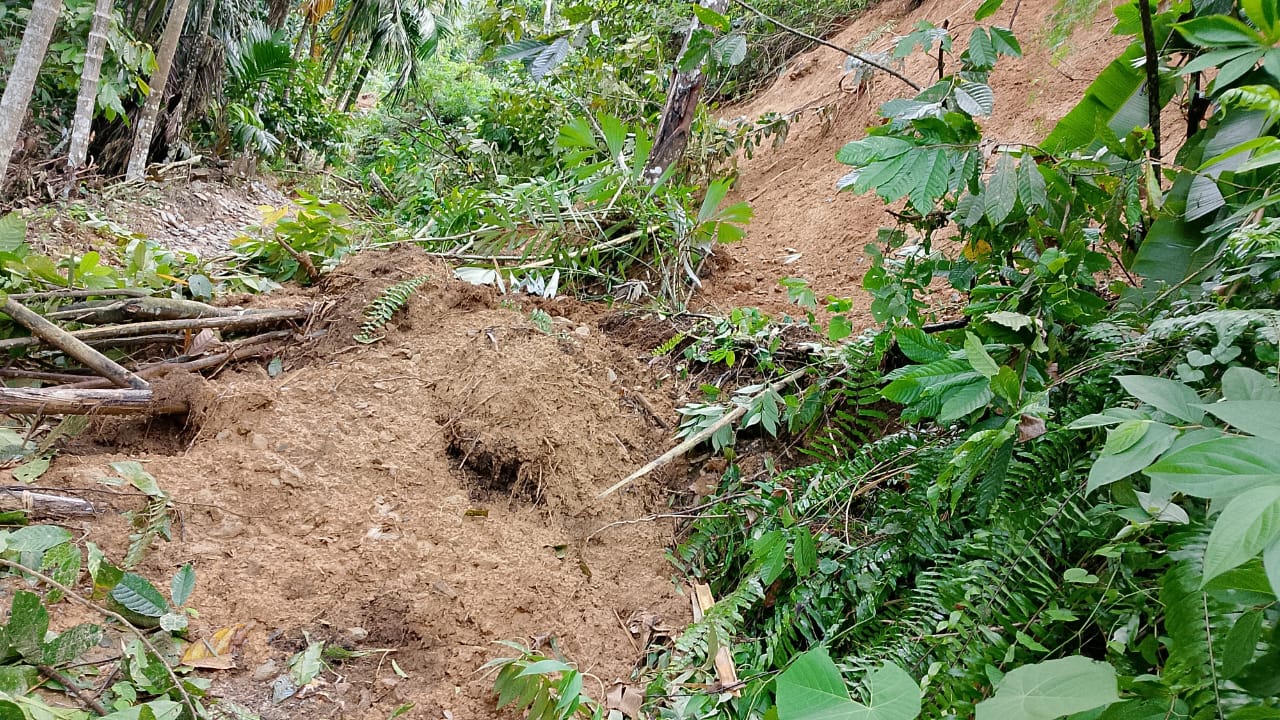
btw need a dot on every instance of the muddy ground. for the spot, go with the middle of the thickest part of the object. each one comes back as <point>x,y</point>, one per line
<point>428,495</point>
<point>433,493</point>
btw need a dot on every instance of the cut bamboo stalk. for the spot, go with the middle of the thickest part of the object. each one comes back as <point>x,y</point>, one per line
<point>240,350</point>
<point>62,401</point>
<point>247,319</point>
<point>101,312</point>
<point>43,505</point>
<point>61,339</point>
<point>694,440</point>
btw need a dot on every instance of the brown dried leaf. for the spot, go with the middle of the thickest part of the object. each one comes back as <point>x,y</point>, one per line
<point>626,699</point>
<point>1030,427</point>
<point>215,653</point>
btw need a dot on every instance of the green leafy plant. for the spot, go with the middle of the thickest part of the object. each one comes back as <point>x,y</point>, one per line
<point>541,687</point>
<point>379,312</point>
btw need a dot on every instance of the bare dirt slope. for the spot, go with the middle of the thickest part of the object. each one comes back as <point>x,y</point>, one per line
<point>792,187</point>
<point>429,494</point>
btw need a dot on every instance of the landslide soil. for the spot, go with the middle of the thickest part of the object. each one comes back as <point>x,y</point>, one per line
<point>803,227</point>
<point>429,495</point>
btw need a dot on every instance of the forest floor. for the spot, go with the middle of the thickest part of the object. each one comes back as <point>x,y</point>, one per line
<point>435,492</point>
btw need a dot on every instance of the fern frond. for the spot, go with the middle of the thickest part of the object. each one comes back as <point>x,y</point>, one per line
<point>379,312</point>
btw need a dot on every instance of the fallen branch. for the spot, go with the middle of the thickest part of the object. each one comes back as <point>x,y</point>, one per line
<point>101,312</point>
<point>42,505</point>
<point>243,320</point>
<point>63,401</point>
<point>61,339</point>
<point>125,292</point>
<point>696,439</point>
<point>824,43</point>
<point>239,350</point>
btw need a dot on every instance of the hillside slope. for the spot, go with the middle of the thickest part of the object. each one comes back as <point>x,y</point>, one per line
<point>803,227</point>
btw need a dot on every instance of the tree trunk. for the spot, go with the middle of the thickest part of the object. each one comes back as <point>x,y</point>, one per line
<point>146,124</point>
<point>87,100</point>
<point>682,103</point>
<point>202,37</point>
<point>352,92</point>
<point>22,80</point>
<point>338,48</point>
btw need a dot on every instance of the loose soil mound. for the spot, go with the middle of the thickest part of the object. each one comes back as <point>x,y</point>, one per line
<point>803,227</point>
<point>428,494</point>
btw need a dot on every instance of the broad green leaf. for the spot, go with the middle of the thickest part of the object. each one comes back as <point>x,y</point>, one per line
<point>1007,385</point>
<point>839,328</point>
<point>13,232</point>
<point>1263,13</point>
<point>1002,190</point>
<point>730,50</point>
<point>71,644</point>
<point>931,183</point>
<point>29,471</point>
<point>710,17</point>
<point>183,583</point>
<point>1110,468</point>
<point>17,680</point>
<point>1051,689</point>
<point>804,553</point>
<point>10,710</point>
<point>1216,30</point>
<point>1241,643</point>
<point>1031,185</point>
<point>812,689</point>
<point>1004,42</point>
<point>37,538</point>
<point>132,471</point>
<point>769,554</point>
<point>544,667</point>
<point>987,9</point>
<point>1220,468</point>
<point>1169,396</point>
<point>861,153</point>
<point>1246,527</point>
<point>1241,383</point>
<point>976,99</point>
<point>980,52</point>
<point>138,595</point>
<point>62,563</point>
<point>919,346</point>
<point>306,665</point>
<point>28,623</point>
<point>1256,417</point>
<point>962,401</point>
<point>1125,435</point>
<point>978,357</point>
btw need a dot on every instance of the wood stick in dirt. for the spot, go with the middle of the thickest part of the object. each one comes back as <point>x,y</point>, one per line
<point>241,321</point>
<point>726,670</point>
<point>240,350</point>
<point>119,292</point>
<point>62,401</point>
<point>57,377</point>
<point>694,440</point>
<point>101,312</point>
<point>43,505</point>
<point>61,339</point>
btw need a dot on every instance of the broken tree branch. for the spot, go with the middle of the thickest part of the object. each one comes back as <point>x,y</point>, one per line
<point>824,43</point>
<point>242,320</point>
<point>43,505</point>
<point>64,341</point>
<point>696,439</point>
<point>64,401</point>
<point>239,350</point>
<point>101,312</point>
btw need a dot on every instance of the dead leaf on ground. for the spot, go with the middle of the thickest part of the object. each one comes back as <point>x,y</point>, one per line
<point>215,653</point>
<point>625,698</point>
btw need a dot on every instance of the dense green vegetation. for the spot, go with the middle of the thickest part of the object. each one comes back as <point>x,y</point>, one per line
<point>1078,509</point>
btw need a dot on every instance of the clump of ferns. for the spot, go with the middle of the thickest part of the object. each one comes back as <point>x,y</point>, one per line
<point>384,307</point>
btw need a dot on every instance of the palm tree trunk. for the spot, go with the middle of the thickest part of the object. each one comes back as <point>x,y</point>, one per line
<point>22,80</point>
<point>353,90</point>
<point>202,37</point>
<point>338,47</point>
<point>87,100</point>
<point>146,125</point>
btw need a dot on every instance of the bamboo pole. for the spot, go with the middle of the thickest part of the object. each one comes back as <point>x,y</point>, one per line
<point>64,341</point>
<point>58,401</point>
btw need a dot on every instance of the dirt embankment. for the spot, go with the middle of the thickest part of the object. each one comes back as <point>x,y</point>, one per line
<point>428,494</point>
<point>803,227</point>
